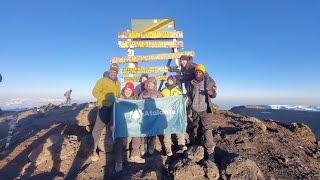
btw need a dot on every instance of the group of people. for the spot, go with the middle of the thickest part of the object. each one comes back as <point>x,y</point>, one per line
<point>200,88</point>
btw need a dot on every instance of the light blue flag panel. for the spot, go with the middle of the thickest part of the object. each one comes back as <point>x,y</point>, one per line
<point>150,117</point>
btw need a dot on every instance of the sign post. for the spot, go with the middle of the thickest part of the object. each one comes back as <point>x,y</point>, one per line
<point>151,33</point>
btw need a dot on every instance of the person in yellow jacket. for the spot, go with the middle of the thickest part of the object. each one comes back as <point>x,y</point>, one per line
<point>106,90</point>
<point>172,89</point>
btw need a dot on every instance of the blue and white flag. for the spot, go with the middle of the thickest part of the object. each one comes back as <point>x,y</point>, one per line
<point>150,117</point>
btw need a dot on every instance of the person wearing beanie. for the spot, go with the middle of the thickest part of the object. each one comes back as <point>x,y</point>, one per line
<point>150,92</point>
<point>139,88</point>
<point>127,93</point>
<point>187,69</point>
<point>106,90</point>
<point>172,89</point>
<point>200,92</point>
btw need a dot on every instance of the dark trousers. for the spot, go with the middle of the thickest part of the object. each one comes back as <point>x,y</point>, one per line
<point>104,116</point>
<point>202,129</point>
<point>119,148</point>
<point>68,101</point>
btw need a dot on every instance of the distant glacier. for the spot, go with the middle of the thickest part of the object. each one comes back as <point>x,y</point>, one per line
<point>296,108</point>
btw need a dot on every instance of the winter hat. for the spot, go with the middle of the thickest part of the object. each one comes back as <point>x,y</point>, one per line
<point>114,67</point>
<point>129,85</point>
<point>173,79</point>
<point>186,57</point>
<point>201,68</point>
<point>143,75</point>
<point>151,79</point>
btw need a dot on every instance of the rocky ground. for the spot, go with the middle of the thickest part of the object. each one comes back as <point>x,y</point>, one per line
<point>310,118</point>
<point>54,144</point>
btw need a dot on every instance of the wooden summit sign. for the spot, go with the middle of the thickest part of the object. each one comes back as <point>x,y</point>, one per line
<point>151,57</point>
<point>150,44</point>
<point>137,78</point>
<point>152,69</point>
<point>151,35</point>
<point>148,25</point>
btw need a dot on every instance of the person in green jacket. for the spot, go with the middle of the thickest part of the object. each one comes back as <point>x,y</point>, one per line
<point>106,90</point>
<point>172,89</point>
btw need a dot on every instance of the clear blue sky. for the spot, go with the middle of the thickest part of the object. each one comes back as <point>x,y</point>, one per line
<point>258,52</point>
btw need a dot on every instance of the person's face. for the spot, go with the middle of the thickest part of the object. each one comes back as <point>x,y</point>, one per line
<point>199,75</point>
<point>184,62</point>
<point>113,73</point>
<point>150,86</point>
<point>143,79</point>
<point>128,92</point>
<point>170,82</point>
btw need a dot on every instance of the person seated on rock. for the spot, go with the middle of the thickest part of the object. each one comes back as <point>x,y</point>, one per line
<point>200,91</point>
<point>106,90</point>
<point>127,93</point>
<point>150,92</point>
<point>172,89</point>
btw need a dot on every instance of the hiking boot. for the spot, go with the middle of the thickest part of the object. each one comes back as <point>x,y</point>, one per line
<point>136,159</point>
<point>118,167</point>
<point>94,157</point>
<point>183,147</point>
<point>169,153</point>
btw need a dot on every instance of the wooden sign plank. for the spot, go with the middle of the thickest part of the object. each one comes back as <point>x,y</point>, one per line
<point>137,78</point>
<point>152,69</point>
<point>150,44</point>
<point>151,35</point>
<point>147,25</point>
<point>151,57</point>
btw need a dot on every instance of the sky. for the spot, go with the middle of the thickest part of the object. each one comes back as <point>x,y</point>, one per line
<point>258,52</point>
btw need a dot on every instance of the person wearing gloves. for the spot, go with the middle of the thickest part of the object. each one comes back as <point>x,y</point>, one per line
<point>172,89</point>
<point>200,92</point>
<point>106,90</point>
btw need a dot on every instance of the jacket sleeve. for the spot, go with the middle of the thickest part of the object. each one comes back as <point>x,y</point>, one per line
<point>210,84</point>
<point>118,89</point>
<point>180,92</point>
<point>97,91</point>
<point>136,91</point>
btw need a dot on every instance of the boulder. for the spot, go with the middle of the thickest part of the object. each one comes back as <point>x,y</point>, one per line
<point>195,153</point>
<point>234,167</point>
<point>141,175</point>
<point>256,122</point>
<point>303,131</point>
<point>186,169</point>
<point>211,170</point>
